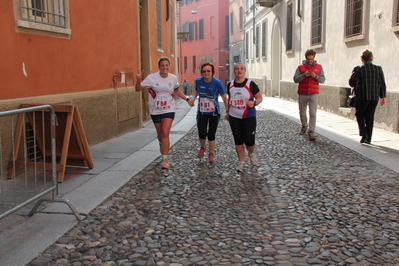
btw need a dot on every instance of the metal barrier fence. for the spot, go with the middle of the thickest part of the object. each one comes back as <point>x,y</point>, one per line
<point>23,183</point>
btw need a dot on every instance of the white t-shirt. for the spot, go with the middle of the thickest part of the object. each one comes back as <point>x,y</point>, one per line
<point>160,93</point>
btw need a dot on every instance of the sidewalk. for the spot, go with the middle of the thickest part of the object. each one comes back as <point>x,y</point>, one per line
<point>384,147</point>
<point>117,160</point>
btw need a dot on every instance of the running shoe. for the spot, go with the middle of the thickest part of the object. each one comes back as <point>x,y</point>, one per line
<point>201,152</point>
<point>211,158</point>
<point>240,166</point>
<point>165,163</point>
<point>253,159</point>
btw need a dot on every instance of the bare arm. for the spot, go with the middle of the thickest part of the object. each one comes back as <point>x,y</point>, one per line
<point>193,97</point>
<point>225,101</point>
<point>258,99</point>
<point>180,94</point>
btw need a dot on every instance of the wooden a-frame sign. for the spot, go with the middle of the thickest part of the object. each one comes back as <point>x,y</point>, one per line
<point>71,143</point>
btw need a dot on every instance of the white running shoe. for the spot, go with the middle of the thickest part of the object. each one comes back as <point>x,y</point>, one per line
<point>240,166</point>
<point>253,159</point>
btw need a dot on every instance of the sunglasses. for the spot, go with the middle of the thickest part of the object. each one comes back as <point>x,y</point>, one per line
<point>206,71</point>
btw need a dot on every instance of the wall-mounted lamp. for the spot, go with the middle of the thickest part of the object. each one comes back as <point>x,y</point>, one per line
<point>194,11</point>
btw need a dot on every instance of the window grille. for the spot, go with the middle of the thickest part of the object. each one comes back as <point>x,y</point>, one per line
<point>316,22</point>
<point>264,38</point>
<point>51,12</point>
<point>354,18</point>
<point>289,27</point>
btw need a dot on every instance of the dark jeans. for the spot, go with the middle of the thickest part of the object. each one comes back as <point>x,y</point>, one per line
<point>365,117</point>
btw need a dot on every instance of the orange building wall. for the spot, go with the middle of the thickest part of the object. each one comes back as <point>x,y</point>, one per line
<point>103,40</point>
<point>83,68</point>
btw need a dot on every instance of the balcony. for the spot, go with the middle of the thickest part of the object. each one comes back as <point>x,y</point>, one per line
<point>268,3</point>
<point>183,30</point>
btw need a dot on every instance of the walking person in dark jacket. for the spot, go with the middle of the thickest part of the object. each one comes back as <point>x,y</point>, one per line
<point>369,85</point>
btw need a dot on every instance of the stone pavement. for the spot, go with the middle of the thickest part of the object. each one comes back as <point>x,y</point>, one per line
<point>307,203</point>
<point>328,202</point>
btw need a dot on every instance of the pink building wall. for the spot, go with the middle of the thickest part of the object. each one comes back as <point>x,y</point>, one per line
<point>214,45</point>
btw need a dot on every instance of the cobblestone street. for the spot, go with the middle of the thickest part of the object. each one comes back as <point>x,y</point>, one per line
<point>307,203</point>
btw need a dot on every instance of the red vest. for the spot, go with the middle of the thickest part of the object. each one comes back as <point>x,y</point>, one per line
<point>309,85</point>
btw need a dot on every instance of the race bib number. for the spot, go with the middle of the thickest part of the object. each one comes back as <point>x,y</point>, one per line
<point>163,102</point>
<point>207,105</point>
<point>238,101</point>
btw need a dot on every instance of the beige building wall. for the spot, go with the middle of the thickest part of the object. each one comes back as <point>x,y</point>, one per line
<point>337,54</point>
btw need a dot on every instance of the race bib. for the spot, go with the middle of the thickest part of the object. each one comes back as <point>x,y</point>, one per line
<point>162,102</point>
<point>206,105</point>
<point>238,101</point>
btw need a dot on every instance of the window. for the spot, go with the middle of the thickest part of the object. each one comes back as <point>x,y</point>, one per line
<point>159,24</point>
<point>212,24</point>
<point>185,65</point>
<point>288,46</point>
<point>231,23</point>
<point>354,18</point>
<point>264,38</point>
<point>190,31</point>
<point>194,30</point>
<point>317,13</point>
<point>194,64</point>
<point>236,59</point>
<point>51,12</point>
<point>397,13</point>
<point>201,29</point>
<point>246,45</point>
<point>226,36</point>
<point>256,39</point>
<point>241,18</point>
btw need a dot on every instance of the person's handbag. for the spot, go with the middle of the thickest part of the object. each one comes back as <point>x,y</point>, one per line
<point>352,100</point>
